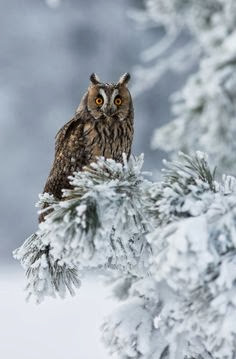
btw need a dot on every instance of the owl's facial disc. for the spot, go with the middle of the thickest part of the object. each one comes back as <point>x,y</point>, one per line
<point>110,106</point>
<point>108,101</point>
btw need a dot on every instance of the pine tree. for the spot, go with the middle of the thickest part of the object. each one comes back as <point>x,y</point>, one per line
<point>169,248</point>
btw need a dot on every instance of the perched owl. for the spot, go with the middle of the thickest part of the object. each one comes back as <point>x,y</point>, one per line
<point>102,126</point>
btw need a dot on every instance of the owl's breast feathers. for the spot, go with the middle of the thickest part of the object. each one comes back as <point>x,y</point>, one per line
<point>109,138</point>
<point>80,141</point>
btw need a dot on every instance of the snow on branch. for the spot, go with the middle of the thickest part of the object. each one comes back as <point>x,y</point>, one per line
<point>186,307</point>
<point>45,275</point>
<point>99,223</point>
<point>171,246</point>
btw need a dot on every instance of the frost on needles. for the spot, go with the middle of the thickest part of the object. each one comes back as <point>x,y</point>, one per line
<point>169,248</point>
<point>100,223</point>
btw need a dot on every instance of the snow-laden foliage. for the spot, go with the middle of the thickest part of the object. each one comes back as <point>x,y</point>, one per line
<point>204,110</point>
<point>45,275</point>
<point>180,194</point>
<point>185,307</point>
<point>197,260</point>
<point>169,249</point>
<point>99,223</point>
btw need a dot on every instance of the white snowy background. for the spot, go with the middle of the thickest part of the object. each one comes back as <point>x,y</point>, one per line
<point>55,329</point>
<point>46,56</point>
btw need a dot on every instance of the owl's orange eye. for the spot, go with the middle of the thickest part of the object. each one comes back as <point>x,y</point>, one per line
<point>99,101</point>
<point>118,101</point>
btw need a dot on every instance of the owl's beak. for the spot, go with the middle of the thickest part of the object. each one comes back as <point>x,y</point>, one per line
<point>108,111</point>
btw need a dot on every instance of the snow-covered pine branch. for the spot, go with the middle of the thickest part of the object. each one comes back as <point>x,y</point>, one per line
<point>170,245</point>
<point>99,223</point>
<point>185,307</point>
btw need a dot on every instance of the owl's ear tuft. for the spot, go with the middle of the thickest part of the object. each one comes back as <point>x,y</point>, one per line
<point>124,79</point>
<point>94,79</point>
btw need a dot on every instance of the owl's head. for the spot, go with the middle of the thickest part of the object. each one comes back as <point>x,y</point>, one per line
<point>105,100</point>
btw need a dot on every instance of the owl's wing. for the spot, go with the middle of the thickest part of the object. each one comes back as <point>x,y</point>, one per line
<point>65,130</point>
<point>62,168</point>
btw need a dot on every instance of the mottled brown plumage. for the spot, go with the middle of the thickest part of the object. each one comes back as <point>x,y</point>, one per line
<point>102,126</point>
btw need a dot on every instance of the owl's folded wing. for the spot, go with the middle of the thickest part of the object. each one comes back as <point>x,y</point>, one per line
<point>65,131</point>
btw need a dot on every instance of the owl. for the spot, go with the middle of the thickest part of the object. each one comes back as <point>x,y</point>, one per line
<point>102,126</point>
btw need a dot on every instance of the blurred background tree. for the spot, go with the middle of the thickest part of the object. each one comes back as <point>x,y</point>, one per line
<point>204,109</point>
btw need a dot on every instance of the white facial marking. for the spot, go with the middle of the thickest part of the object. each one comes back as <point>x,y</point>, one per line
<point>104,95</point>
<point>113,96</point>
